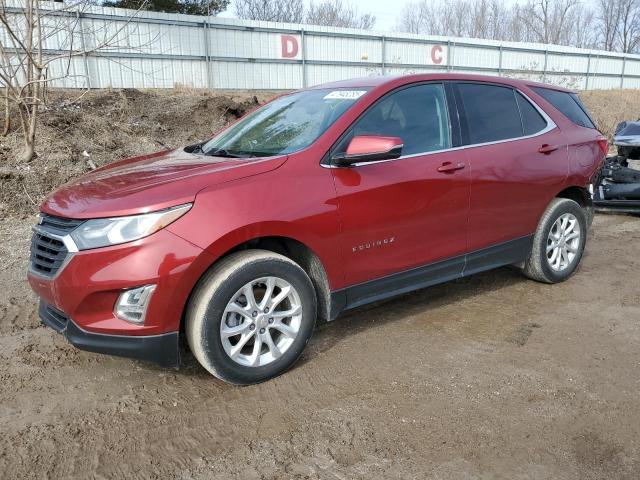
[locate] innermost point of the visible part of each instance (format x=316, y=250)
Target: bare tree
x=27, y=67
x=327, y=12
x=583, y=33
x=608, y=19
x=189, y=7
x=612, y=25
x=455, y=17
x=418, y=18
x=291, y=11
x=549, y=20
x=563, y=22
x=628, y=25
x=480, y=23
x=448, y=17
x=335, y=13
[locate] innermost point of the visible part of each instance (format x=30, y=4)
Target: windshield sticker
x=344, y=94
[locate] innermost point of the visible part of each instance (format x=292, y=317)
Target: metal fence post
x=383, y=39
x=304, y=59
x=207, y=57
x=85, y=61
x=586, y=83
x=500, y=62
x=546, y=63
x=450, y=55
x=624, y=63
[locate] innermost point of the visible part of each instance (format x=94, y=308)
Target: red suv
x=320, y=201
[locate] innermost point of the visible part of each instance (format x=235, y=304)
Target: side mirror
x=370, y=148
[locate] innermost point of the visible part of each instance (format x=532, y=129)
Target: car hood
x=148, y=183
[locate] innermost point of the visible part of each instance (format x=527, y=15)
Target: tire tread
x=207, y=285
x=533, y=267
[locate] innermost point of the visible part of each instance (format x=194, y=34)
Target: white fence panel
x=262, y=76
x=336, y=49
x=476, y=57
x=160, y=50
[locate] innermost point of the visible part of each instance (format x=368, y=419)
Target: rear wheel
x=558, y=243
x=251, y=316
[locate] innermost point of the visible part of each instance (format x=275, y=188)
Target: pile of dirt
x=80, y=132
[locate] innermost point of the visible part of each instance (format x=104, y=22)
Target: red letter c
x=436, y=54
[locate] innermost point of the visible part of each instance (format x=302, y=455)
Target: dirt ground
x=493, y=376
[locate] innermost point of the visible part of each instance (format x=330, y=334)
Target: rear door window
x=532, y=121
x=417, y=114
x=491, y=112
x=568, y=103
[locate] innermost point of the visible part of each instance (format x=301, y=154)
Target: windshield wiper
x=221, y=152
x=195, y=148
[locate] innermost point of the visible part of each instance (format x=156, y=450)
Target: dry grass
x=610, y=107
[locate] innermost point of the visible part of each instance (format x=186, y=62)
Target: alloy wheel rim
x=261, y=321
x=563, y=242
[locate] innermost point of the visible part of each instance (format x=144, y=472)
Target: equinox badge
x=373, y=244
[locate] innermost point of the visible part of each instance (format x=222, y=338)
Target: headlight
x=102, y=232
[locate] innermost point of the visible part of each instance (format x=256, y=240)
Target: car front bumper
x=163, y=349
x=83, y=294
x=89, y=285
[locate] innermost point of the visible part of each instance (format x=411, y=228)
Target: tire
x=539, y=266
x=211, y=305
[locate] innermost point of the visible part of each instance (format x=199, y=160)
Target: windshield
x=285, y=125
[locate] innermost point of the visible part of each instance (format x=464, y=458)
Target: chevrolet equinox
x=321, y=200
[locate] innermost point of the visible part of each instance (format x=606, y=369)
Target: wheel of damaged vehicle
x=250, y=316
x=558, y=243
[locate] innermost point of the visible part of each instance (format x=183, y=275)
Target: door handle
x=448, y=167
x=547, y=149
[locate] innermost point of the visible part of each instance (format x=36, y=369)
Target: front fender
x=288, y=202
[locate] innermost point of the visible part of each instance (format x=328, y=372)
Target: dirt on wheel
x=492, y=376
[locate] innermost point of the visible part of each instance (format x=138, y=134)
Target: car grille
x=59, y=225
x=48, y=251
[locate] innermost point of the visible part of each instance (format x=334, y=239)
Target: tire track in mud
x=229, y=417
x=18, y=314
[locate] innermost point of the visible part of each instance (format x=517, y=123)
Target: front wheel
x=558, y=243
x=251, y=316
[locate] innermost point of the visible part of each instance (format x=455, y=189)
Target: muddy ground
x=493, y=376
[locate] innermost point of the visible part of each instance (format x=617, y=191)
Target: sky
x=385, y=11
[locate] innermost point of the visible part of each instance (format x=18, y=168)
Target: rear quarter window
x=568, y=104
x=532, y=121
